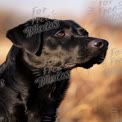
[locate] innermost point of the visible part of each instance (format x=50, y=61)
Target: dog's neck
x=45, y=75
x=42, y=76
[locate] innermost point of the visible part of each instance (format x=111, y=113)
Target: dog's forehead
x=71, y=24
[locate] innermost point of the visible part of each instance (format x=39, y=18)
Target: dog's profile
x=37, y=69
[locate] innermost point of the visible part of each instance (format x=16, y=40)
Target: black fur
x=35, y=75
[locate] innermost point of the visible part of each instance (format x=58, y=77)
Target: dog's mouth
x=95, y=60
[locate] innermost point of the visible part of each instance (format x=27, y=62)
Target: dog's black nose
x=99, y=43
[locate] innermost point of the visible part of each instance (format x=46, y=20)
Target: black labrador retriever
x=35, y=75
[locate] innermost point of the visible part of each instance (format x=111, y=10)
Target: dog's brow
x=67, y=26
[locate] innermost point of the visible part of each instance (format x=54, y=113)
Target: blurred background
x=95, y=95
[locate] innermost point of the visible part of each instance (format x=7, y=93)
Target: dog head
x=57, y=43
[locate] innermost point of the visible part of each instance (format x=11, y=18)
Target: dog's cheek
x=51, y=44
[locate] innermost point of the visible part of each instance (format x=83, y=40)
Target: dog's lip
x=95, y=60
x=68, y=65
x=100, y=59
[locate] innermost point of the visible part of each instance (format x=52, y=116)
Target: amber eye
x=60, y=34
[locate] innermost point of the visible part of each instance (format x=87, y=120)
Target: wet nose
x=99, y=43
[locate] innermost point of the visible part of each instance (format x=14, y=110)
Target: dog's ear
x=23, y=37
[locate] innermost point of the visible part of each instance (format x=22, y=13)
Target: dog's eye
x=60, y=34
